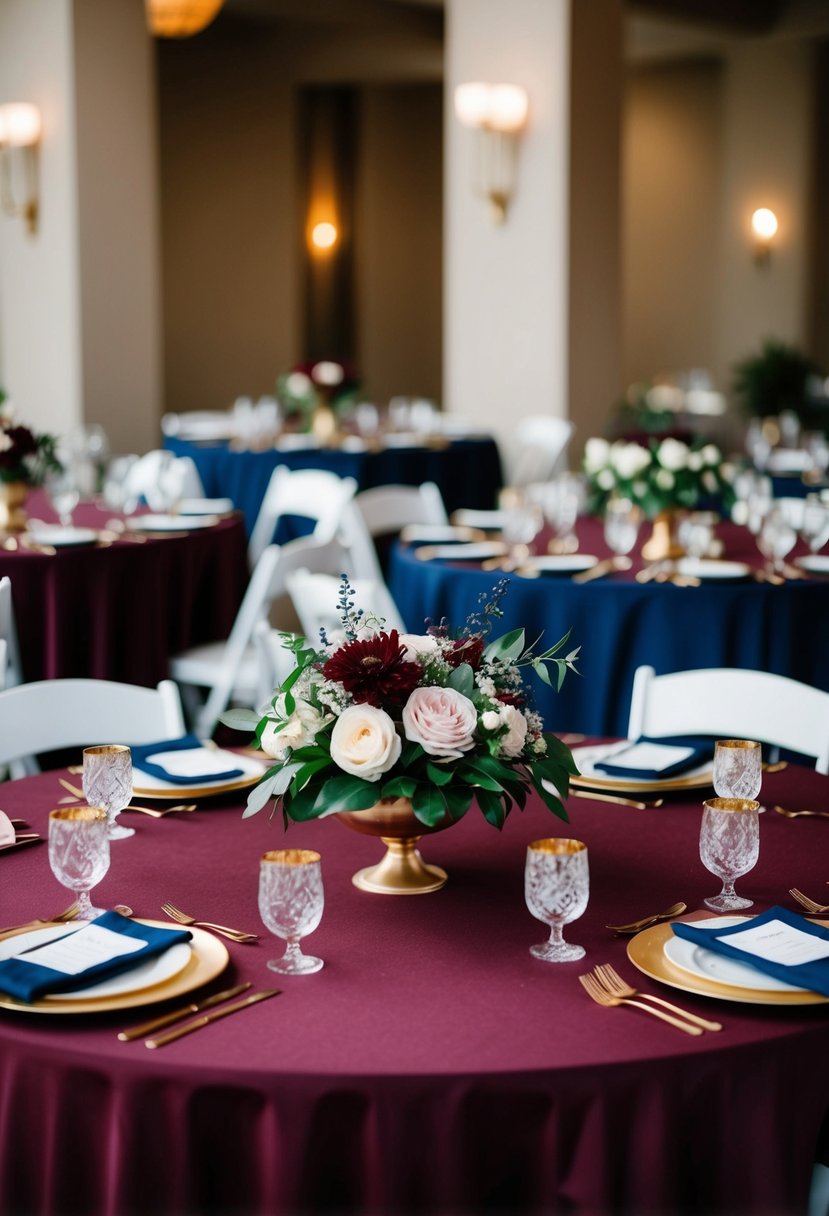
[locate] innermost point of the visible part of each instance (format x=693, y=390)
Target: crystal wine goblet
x=737, y=768
x=621, y=528
x=776, y=538
x=79, y=852
x=290, y=903
x=63, y=491
x=556, y=888
x=729, y=845
x=107, y=782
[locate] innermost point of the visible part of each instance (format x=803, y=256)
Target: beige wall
x=398, y=240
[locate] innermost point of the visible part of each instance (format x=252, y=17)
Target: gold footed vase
x=13, y=495
x=402, y=871
x=662, y=544
x=324, y=425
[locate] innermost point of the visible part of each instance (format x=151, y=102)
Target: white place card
x=655, y=757
x=778, y=942
x=194, y=761
x=77, y=952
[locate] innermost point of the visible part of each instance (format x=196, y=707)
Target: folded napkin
x=653, y=759
x=163, y=760
x=778, y=943
x=105, y=946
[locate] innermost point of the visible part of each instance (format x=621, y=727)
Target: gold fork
x=178, y=809
x=235, y=935
x=812, y=908
x=59, y=918
x=597, y=993
x=782, y=810
x=610, y=979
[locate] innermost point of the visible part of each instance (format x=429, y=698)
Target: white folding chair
x=163, y=479
x=10, y=670
x=314, y=494
x=229, y=670
x=383, y=511
x=47, y=715
x=314, y=597
x=541, y=443
x=729, y=702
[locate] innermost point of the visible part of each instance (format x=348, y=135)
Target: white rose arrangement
x=666, y=474
x=440, y=720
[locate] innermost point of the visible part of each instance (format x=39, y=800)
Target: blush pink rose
x=441, y=720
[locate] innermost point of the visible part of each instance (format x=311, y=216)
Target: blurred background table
x=622, y=624
x=117, y=612
x=433, y=1065
x=467, y=471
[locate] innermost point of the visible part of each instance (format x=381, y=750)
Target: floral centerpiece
x=25, y=459
x=432, y=721
x=315, y=390
x=664, y=475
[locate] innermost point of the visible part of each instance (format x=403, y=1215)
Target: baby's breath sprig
x=481, y=621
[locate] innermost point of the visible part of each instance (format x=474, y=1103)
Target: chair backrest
x=10, y=670
x=162, y=479
x=315, y=596
x=542, y=441
x=275, y=662
x=729, y=702
x=46, y=715
x=383, y=511
x=314, y=494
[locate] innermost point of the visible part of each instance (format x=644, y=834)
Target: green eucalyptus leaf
x=506, y=648
x=462, y=680
x=241, y=719
x=260, y=795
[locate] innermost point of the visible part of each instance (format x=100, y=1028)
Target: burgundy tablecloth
x=118, y=612
x=433, y=1065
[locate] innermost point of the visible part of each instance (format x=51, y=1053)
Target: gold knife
x=167, y=1019
x=73, y=789
x=639, y=806
x=180, y=1031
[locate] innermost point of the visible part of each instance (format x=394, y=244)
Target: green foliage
x=774, y=380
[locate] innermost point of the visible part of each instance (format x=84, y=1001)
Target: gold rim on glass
x=731, y=804
x=291, y=857
x=747, y=744
x=107, y=749
x=90, y=814
x=558, y=845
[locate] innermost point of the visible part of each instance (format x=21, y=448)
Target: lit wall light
x=324, y=236
x=764, y=228
x=20, y=129
x=497, y=113
x=179, y=18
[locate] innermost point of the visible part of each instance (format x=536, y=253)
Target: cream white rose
x=491, y=719
x=596, y=454
x=418, y=646
x=711, y=454
x=673, y=454
x=512, y=743
x=300, y=728
x=629, y=459
x=664, y=479
x=441, y=720
x=364, y=742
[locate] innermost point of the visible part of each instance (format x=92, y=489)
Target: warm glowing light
x=764, y=223
x=19, y=124
x=324, y=235
x=498, y=107
x=180, y=18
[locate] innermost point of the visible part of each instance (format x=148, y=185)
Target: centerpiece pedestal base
x=662, y=545
x=402, y=871
x=13, y=495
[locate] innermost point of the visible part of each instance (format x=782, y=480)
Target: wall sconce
x=323, y=237
x=496, y=113
x=20, y=129
x=764, y=227
x=179, y=18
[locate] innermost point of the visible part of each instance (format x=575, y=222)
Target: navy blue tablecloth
x=467, y=471
x=621, y=624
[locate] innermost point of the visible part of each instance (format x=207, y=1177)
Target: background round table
x=621, y=624
x=433, y=1065
x=467, y=471
x=118, y=612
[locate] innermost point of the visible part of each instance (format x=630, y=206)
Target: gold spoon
x=635, y=926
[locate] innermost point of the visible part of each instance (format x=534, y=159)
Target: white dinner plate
x=154, y=971
x=59, y=536
x=492, y=521
x=815, y=563
x=709, y=568
x=434, y=534
x=477, y=552
x=698, y=961
x=558, y=563
x=170, y=523
x=147, y=786
x=205, y=506
x=699, y=777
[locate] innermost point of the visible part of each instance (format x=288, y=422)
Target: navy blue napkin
x=28, y=981
x=142, y=759
x=701, y=750
x=813, y=975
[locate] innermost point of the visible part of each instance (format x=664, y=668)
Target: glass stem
x=556, y=934
x=728, y=887
x=84, y=906
x=292, y=951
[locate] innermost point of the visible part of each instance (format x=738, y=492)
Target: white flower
x=364, y=742
x=673, y=454
x=298, y=384
x=5, y=441
x=605, y=480
x=695, y=461
x=418, y=646
x=709, y=481
x=664, y=479
x=300, y=728
x=491, y=720
x=512, y=743
x=711, y=454
x=629, y=459
x=596, y=454
x=441, y=720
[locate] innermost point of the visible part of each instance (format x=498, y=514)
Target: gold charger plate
x=209, y=959
x=630, y=785
x=178, y=792
x=646, y=952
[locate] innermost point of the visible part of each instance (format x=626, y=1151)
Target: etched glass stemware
x=621, y=525
x=729, y=845
x=290, y=903
x=79, y=852
x=556, y=888
x=737, y=768
x=107, y=782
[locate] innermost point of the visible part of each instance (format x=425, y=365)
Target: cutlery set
x=607, y=988
x=617, y=799
x=636, y=926
x=178, y=1015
